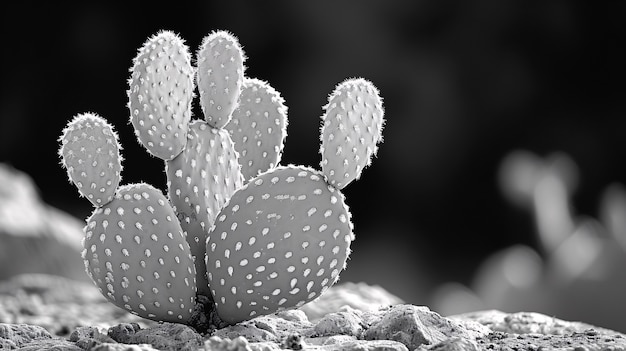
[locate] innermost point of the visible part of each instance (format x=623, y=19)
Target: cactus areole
x=238, y=236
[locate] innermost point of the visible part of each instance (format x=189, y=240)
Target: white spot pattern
x=295, y=240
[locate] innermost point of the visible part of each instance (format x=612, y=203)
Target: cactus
x=258, y=127
x=352, y=128
x=220, y=76
x=136, y=253
x=134, y=248
x=160, y=94
x=285, y=236
x=200, y=181
x=280, y=242
x=218, y=250
x=162, y=84
x=90, y=153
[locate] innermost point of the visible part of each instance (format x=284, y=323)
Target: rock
x=452, y=344
x=58, y=304
x=89, y=337
x=240, y=343
x=335, y=339
x=50, y=345
x=526, y=323
x=249, y=331
x=17, y=335
x=346, y=323
x=123, y=332
x=215, y=343
x=165, y=336
x=417, y=325
x=122, y=347
x=590, y=340
x=273, y=328
x=35, y=237
x=366, y=345
x=359, y=296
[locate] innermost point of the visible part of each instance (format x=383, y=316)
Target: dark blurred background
x=464, y=83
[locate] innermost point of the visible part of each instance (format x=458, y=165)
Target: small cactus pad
x=280, y=242
x=90, y=152
x=136, y=254
x=220, y=76
x=258, y=127
x=351, y=130
x=200, y=182
x=160, y=94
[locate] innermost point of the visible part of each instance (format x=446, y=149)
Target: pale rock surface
x=35, y=237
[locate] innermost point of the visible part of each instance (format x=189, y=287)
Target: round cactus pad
x=281, y=242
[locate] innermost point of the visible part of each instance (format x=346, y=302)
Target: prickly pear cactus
x=258, y=127
x=200, y=182
x=136, y=253
x=231, y=241
x=90, y=153
x=160, y=93
x=134, y=247
x=281, y=242
x=351, y=130
x=202, y=166
x=220, y=76
x=285, y=236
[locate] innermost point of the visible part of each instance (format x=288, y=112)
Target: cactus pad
x=200, y=182
x=160, y=93
x=90, y=152
x=136, y=254
x=258, y=127
x=280, y=242
x=351, y=130
x=220, y=76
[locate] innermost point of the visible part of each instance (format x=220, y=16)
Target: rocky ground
x=44, y=312
x=62, y=311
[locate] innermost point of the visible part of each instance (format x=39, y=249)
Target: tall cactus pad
x=160, y=94
x=200, y=182
x=351, y=130
x=90, y=152
x=220, y=76
x=136, y=254
x=280, y=243
x=258, y=127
